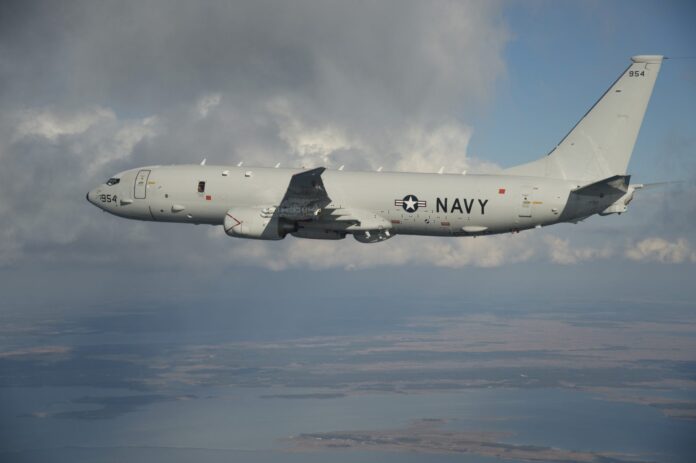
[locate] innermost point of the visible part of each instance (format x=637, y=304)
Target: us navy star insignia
x=410, y=203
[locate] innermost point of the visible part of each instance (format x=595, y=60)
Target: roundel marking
x=410, y=203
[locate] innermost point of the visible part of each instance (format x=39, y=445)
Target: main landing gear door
x=141, y=184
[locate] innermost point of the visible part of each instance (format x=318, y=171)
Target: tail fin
x=600, y=145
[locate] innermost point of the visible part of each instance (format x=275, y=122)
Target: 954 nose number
x=107, y=198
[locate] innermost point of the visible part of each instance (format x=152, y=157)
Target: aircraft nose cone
x=90, y=197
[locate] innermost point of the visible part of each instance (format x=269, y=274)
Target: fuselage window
x=113, y=181
x=201, y=187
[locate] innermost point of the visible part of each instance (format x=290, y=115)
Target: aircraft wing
x=355, y=220
x=306, y=199
x=305, y=196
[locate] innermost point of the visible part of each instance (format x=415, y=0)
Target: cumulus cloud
x=491, y=251
x=49, y=124
x=561, y=251
x=49, y=161
x=206, y=104
x=401, y=250
x=657, y=249
x=109, y=86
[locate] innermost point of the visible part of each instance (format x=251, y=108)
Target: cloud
x=657, y=249
x=49, y=161
x=48, y=124
x=206, y=104
x=107, y=87
x=424, y=149
x=490, y=251
x=388, y=84
x=312, y=145
x=561, y=251
x=36, y=351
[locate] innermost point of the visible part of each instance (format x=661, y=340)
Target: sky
x=89, y=89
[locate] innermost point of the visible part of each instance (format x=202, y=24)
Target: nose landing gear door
x=141, y=184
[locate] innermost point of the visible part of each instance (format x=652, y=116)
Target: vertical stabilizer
x=600, y=145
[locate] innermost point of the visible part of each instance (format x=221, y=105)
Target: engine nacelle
x=253, y=223
x=372, y=236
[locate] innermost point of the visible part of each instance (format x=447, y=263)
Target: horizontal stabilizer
x=615, y=185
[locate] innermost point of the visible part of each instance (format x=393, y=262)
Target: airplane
x=584, y=175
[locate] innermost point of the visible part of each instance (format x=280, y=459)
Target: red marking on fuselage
x=235, y=219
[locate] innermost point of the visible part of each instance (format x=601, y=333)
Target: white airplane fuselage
x=585, y=174
x=444, y=204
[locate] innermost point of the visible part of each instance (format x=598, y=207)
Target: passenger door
x=140, y=188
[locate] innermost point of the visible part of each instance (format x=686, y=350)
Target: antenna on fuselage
x=239, y=164
x=203, y=161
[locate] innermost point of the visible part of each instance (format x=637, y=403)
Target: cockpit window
x=113, y=181
x=201, y=187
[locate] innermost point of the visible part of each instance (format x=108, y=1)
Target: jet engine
x=372, y=236
x=253, y=223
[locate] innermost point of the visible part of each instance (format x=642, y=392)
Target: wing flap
x=355, y=220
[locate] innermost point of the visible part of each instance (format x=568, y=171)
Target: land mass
x=427, y=436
